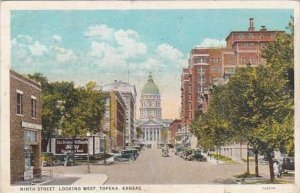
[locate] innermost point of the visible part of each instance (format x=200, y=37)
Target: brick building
x=175, y=127
x=128, y=93
x=25, y=127
x=213, y=66
x=115, y=121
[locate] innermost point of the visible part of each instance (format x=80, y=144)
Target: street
x=152, y=168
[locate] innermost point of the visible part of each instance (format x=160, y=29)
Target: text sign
x=63, y=146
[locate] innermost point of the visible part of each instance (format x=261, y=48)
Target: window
x=30, y=136
x=33, y=107
x=219, y=60
x=243, y=60
x=252, y=60
x=201, y=70
x=215, y=69
x=201, y=60
x=202, y=79
x=19, y=102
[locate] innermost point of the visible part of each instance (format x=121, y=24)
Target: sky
x=107, y=45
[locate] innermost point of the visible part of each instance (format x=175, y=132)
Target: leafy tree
x=255, y=106
x=139, y=132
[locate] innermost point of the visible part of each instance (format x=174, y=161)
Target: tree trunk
x=271, y=166
x=256, y=164
x=248, y=170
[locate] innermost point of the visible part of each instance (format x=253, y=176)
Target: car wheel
x=132, y=158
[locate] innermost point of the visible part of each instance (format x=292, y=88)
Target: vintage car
x=130, y=154
x=165, y=152
x=288, y=163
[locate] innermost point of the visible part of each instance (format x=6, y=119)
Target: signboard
x=63, y=146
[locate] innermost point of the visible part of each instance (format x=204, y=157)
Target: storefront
x=31, y=152
x=25, y=128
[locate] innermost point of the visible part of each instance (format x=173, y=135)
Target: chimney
x=251, y=27
x=263, y=28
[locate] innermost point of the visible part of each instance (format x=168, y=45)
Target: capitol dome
x=150, y=87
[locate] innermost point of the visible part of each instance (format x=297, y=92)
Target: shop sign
x=63, y=146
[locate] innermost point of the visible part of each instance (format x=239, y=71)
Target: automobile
x=165, y=151
x=130, y=154
x=197, y=156
x=178, y=150
x=186, y=152
x=288, y=163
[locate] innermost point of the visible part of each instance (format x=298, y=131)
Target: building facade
x=175, y=127
x=150, y=108
x=213, y=66
x=151, y=122
x=129, y=94
x=115, y=122
x=25, y=127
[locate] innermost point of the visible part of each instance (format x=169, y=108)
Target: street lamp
x=88, y=153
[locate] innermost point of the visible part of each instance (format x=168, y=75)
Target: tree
x=255, y=106
x=139, y=132
x=85, y=115
x=164, y=135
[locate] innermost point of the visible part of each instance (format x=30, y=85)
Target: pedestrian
x=277, y=169
x=209, y=155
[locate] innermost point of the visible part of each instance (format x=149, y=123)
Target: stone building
x=25, y=127
x=129, y=94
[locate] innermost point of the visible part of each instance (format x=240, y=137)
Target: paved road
x=152, y=168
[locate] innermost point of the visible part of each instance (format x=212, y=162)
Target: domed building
x=151, y=122
x=150, y=101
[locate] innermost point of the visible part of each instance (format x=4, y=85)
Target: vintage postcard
x=136, y=96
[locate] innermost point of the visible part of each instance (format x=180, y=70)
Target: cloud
x=168, y=52
x=129, y=43
x=209, y=42
x=63, y=55
x=37, y=49
x=57, y=38
x=102, y=32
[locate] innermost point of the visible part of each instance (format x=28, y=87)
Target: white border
x=6, y=7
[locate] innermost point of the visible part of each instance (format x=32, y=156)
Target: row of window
x=202, y=60
x=20, y=104
x=150, y=97
x=251, y=36
x=151, y=104
x=250, y=60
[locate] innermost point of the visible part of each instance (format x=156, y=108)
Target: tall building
x=213, y=66
x=151, y=122
x=25, y=127
x=129, y=94
x=115, y=121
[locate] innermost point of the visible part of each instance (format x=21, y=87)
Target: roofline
x=37, y=84
x=253, y=32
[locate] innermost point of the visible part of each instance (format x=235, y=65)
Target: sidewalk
x=77, y=179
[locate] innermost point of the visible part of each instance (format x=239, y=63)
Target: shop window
x=19, y=102
x=33, y=107
x=30, y=136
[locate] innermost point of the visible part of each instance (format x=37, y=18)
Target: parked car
x=130, y=154
x=288, y=163
x=196, y=155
